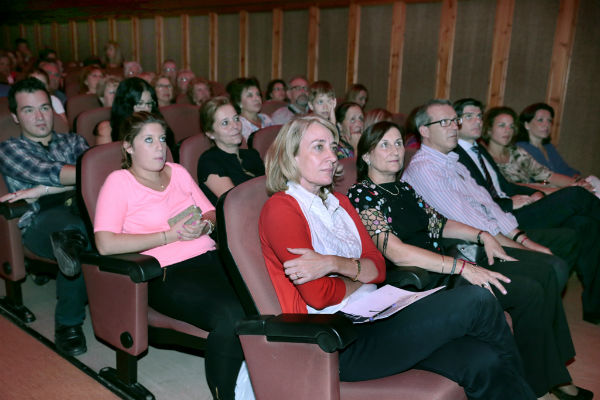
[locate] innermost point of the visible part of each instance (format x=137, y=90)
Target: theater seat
x=270, y=106
x=78, y=104
x=118, y=290
x=88, y=120
x=190, y=151
x=295, y=356
x=261, y=139
x=183, y=119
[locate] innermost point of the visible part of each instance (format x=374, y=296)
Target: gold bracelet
x=358, y=271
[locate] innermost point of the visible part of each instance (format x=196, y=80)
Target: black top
x=215, y=161
x=395, y=207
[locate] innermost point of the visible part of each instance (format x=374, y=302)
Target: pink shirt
x=127, y=206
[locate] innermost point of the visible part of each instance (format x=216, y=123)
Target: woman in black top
x=225, y=165
x=408, y=232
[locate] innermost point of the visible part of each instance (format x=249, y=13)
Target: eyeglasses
x=161, y=86
x=303, y=88
x=470, y=116
x=446, y=122
x=149, y=104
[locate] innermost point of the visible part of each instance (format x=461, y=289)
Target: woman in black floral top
x=408, y=232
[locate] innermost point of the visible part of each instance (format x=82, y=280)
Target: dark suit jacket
x=507, y=187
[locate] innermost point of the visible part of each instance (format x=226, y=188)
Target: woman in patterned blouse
x=515, y=163
x=409, y=232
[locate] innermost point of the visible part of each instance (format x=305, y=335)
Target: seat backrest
x=343, y=183
x=182, y=99
x=238, y=212
x=183, y=119
x=270, y=106
x=96, y=164
x=217, y=89
x=87, y=121
x=78, y=104
x=262, y=139
x=190, y=151
x=399, y=119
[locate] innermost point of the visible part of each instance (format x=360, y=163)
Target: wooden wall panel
x=213, y=46
x=420, y=44
x=13, y=34
x=73, y=41
x=260, y=47
x=396, y=56
x=229, y=46
x=46, y=32
x=529, y=60
x=503, y=23
x=332, y=48
x=445, y=49
x=295, y=42
x=173, y=41
x=243, y=44
x=101, y=35
x=185, y=41
x=352, y=45
x=579, y=142
x=314, y=17
x=83, y=40
x=30, y=36
x=37, y=32
x=147, y=44
x=123, y=26
x=472, y=49
x=93, y=37
x=374, y=52
x=199, y=44
x=64, y=43
x=159, y=42
x=277, y=44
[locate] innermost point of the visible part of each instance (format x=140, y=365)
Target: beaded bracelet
x=358, y=270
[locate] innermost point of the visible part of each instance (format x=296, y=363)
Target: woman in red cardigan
x=323, y=259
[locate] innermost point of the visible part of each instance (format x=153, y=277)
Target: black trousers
x=577, y=209
x=540, y=326
x=459, y=333
x=197, y=291
x=70, y=292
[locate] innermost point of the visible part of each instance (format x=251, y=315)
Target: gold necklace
x=393, y=194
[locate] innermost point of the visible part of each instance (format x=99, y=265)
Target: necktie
x=488, y=177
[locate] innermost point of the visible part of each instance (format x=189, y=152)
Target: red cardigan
x=282, y=225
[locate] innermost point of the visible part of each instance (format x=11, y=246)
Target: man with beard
x=298, y=94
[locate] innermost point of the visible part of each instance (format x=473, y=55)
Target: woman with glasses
x=224, y=165
x=409, y=232
x=165, y=93
x=133, y=95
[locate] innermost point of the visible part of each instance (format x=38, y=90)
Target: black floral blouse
x=397, y=208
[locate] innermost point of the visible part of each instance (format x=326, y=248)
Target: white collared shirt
x=332, y=231
x=468, y=147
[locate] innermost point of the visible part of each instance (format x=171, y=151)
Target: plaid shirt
x=26, y=164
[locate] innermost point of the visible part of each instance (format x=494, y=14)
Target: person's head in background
x=148, y=76
x=169, y=69
x=321, y=100
x=199, y=91
x=184, y=77
x=245, y=96
x=358, y=94
x=90, y=77
x=133, y=95
x=54, y=74
x=112, y=57
x=297, y=92
x=131, y=69
x=276, y=90
x=165, y=92
x=107, y=89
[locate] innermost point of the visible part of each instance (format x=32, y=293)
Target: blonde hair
x=280, y=162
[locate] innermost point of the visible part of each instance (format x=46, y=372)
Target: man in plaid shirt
x=37, y=167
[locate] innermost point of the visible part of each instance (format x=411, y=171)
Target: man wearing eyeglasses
x=298, y=94
x=436, y=175
x=537, y=213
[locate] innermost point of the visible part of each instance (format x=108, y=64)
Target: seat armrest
x=13, y=210
x=139, y=267
x=406, y=277
x=331, y=332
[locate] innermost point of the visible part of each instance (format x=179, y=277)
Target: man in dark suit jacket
x=572, y=207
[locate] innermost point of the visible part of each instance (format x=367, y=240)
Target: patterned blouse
x=345, y=149
x=395, y=207
x=523, y=168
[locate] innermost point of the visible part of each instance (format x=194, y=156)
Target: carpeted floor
x=171, y=374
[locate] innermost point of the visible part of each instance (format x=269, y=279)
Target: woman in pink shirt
x=148, y=207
